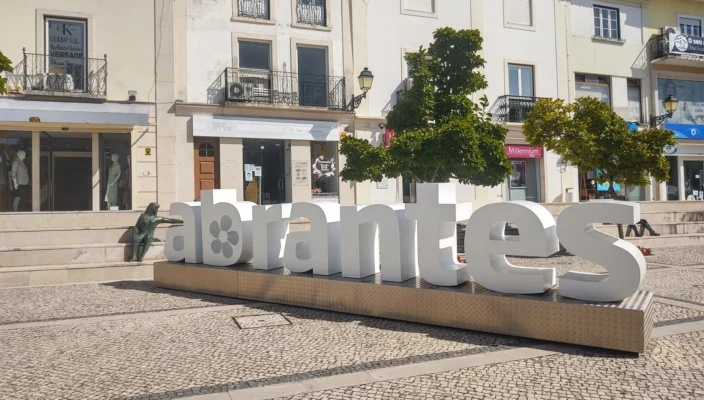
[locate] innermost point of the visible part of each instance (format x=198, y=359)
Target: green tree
x=5, y=65
x=589, y=134
x=440, y=133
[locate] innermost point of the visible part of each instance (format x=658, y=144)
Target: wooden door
x=206, y=158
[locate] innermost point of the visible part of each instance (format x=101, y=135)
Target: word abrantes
x=403, y=241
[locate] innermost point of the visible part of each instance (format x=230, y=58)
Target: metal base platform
x=622, y=326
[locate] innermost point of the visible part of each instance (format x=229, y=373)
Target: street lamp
x=366, y=78
x=670, y=105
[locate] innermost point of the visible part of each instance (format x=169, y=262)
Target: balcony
x=257, y=9
x=512, y=109
x=675, y=49
x=44, y=75
x=245, y=85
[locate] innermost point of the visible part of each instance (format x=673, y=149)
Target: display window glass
x=324, y=169
x=15, y=171
x=115, y=172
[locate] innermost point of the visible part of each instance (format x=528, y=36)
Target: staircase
x=69, y=247
x=678, y=223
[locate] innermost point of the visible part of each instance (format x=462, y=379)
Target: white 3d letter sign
x=404, y=241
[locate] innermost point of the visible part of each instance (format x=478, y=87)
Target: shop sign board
x=685, y=44
x=406, y=241
x=263, y=128
x=513, y=151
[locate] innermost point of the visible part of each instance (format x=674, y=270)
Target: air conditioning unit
x=250, y=89
x=408, y=83
x=667, y=30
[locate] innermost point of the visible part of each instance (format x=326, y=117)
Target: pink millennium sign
x=524, y=152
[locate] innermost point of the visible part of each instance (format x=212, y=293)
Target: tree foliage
x=440, y=133
x=589, y=134
x=5, y=65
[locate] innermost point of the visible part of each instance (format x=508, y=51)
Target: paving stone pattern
x=691, y=255
x=206, y=352
x=673, y=368
x=74, y=301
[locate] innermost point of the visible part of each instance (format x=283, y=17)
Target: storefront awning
x=15, y=110
x=262, y=128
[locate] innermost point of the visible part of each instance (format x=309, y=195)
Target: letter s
x=623, y=261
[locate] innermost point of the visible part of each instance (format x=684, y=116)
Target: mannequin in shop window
x=20, y=181
x=114, y=175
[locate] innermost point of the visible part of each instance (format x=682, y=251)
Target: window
x=520, y=80
x=206, y=150
x=312, y=76
x=634, y=101
x=323, y=162
x=606, y=23
x=593, y=86
x=518, y=12
x=67, y=52
x=258, y=9
x=691, y=26
x=311, y=12
x=255, y=55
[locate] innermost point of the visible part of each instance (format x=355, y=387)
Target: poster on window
x=66, y=48
x=687, y=122
x=518, y=177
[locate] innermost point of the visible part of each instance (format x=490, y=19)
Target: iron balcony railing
x=42, y=74
x=275, y=87
x=513, y=109
x=258, y=9
x=311, y=12
x=659, y=47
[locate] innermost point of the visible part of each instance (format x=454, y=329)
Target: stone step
x=59, y=274
x=667, y=240
x=664, y=228
x=15, y=238
x=74, y=254
x=72, y=219
x=645, y=206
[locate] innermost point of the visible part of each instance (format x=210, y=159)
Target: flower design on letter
x=224, y=239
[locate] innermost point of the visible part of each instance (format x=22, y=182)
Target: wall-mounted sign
x=147, y=151
x=257, y=170
x=684, y=44
x=260, y=128
x=523, y=151
x=301, y=173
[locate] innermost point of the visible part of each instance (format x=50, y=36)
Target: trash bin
x=569, y=195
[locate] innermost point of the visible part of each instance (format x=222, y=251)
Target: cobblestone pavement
x=74, y=301
x=204, y=350
x=673, y=368
x=691, y=255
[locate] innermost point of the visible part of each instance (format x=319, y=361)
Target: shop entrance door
x=694, y=180
x=206, y=169
x=270, y=156
x=66, y=173
x=524, y=182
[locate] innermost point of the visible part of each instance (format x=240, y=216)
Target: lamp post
x=670, y=105
x=366, y=78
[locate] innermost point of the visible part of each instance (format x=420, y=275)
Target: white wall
x=211, y=27
x=630, y=18
x=504, y=45
x=390, y=32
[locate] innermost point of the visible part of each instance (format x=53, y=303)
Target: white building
x=262, y=98
x=521, y=56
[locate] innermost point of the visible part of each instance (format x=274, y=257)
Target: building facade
x=78, y=124
x=262, y=102
x=676, y=55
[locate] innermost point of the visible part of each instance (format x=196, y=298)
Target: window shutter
x=518, y=12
